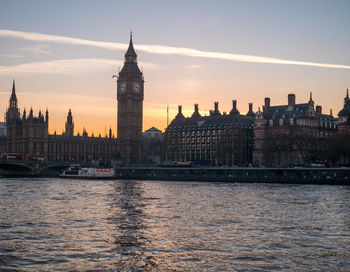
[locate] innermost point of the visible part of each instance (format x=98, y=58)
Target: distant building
x=28, y=134
x=344, y=115
x=292, y=134
x=217, y=139
x=153, y=149
x=3, y=130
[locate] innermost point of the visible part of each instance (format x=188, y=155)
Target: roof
x=131, y=51
x=286, y=113
x=153, y=129
x=131, y=67
x=213, y=122
x=346, y=109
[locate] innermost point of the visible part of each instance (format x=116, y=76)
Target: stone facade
x=217, y=139
x=28, y=135
x=130, y=89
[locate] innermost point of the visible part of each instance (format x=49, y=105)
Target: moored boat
x=77, y=172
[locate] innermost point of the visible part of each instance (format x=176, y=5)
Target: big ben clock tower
x=130, y=103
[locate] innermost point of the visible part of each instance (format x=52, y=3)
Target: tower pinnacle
x=13, y=98
x=130, y=55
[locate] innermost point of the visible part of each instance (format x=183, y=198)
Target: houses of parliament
x=284, y=135
x=28, y=134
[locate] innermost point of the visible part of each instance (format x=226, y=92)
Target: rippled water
x=70, y=225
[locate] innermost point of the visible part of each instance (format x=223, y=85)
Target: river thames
x=116, y=225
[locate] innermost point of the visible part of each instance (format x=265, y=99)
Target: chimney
x=267, y=103
x=234, y=104
x=196, y=111
x=319, y=109
x=216, y=109
x=179, y=114
x=234, y=108
x=250, y=112
x=216, y=106
x=291, y=99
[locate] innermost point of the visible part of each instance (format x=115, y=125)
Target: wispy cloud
x=160, y=49
x=11, y=56
x=66, y=66
x=38, y=49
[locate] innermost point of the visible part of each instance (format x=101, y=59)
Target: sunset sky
x=63, y=54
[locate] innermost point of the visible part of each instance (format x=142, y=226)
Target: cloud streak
x=160, y=49
x=66, y=66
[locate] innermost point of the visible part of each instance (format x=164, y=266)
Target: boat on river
x=76, y=172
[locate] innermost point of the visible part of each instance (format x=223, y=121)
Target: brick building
x=292, y=134
x=217, y=139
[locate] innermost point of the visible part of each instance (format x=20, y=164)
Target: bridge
x=28, y=168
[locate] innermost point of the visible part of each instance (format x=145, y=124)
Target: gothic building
x=292, y=134
x=25, y=134
x=28, y=135
x=217, y=139
x=130, y=103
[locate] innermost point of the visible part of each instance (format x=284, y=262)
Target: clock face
x=122, y=87
x=136, y=87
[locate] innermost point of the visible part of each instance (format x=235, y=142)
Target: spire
x=346, y=99
x=30, y=113
x=13, y=98
x=311, y=101
x=130, y=55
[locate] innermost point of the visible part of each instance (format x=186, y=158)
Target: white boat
x=76, y=172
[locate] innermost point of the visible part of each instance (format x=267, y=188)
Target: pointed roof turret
x=130, y=55
x=346, y=109
x=130, y=63
x=13, y=98
x=311, y=101
x=346, y=99
x=30, y=113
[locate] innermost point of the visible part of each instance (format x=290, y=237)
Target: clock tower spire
x=130, y=106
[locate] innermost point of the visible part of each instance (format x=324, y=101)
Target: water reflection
x=70, y=225
x=130, y=235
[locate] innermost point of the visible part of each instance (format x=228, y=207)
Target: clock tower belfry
x=130, y=104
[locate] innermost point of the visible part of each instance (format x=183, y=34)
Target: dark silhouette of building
x=26, y=134
x=29, y=136
x=344, y=115
x=153, y=147
x=130, y=90
x=217, y=139
x=292, y=134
